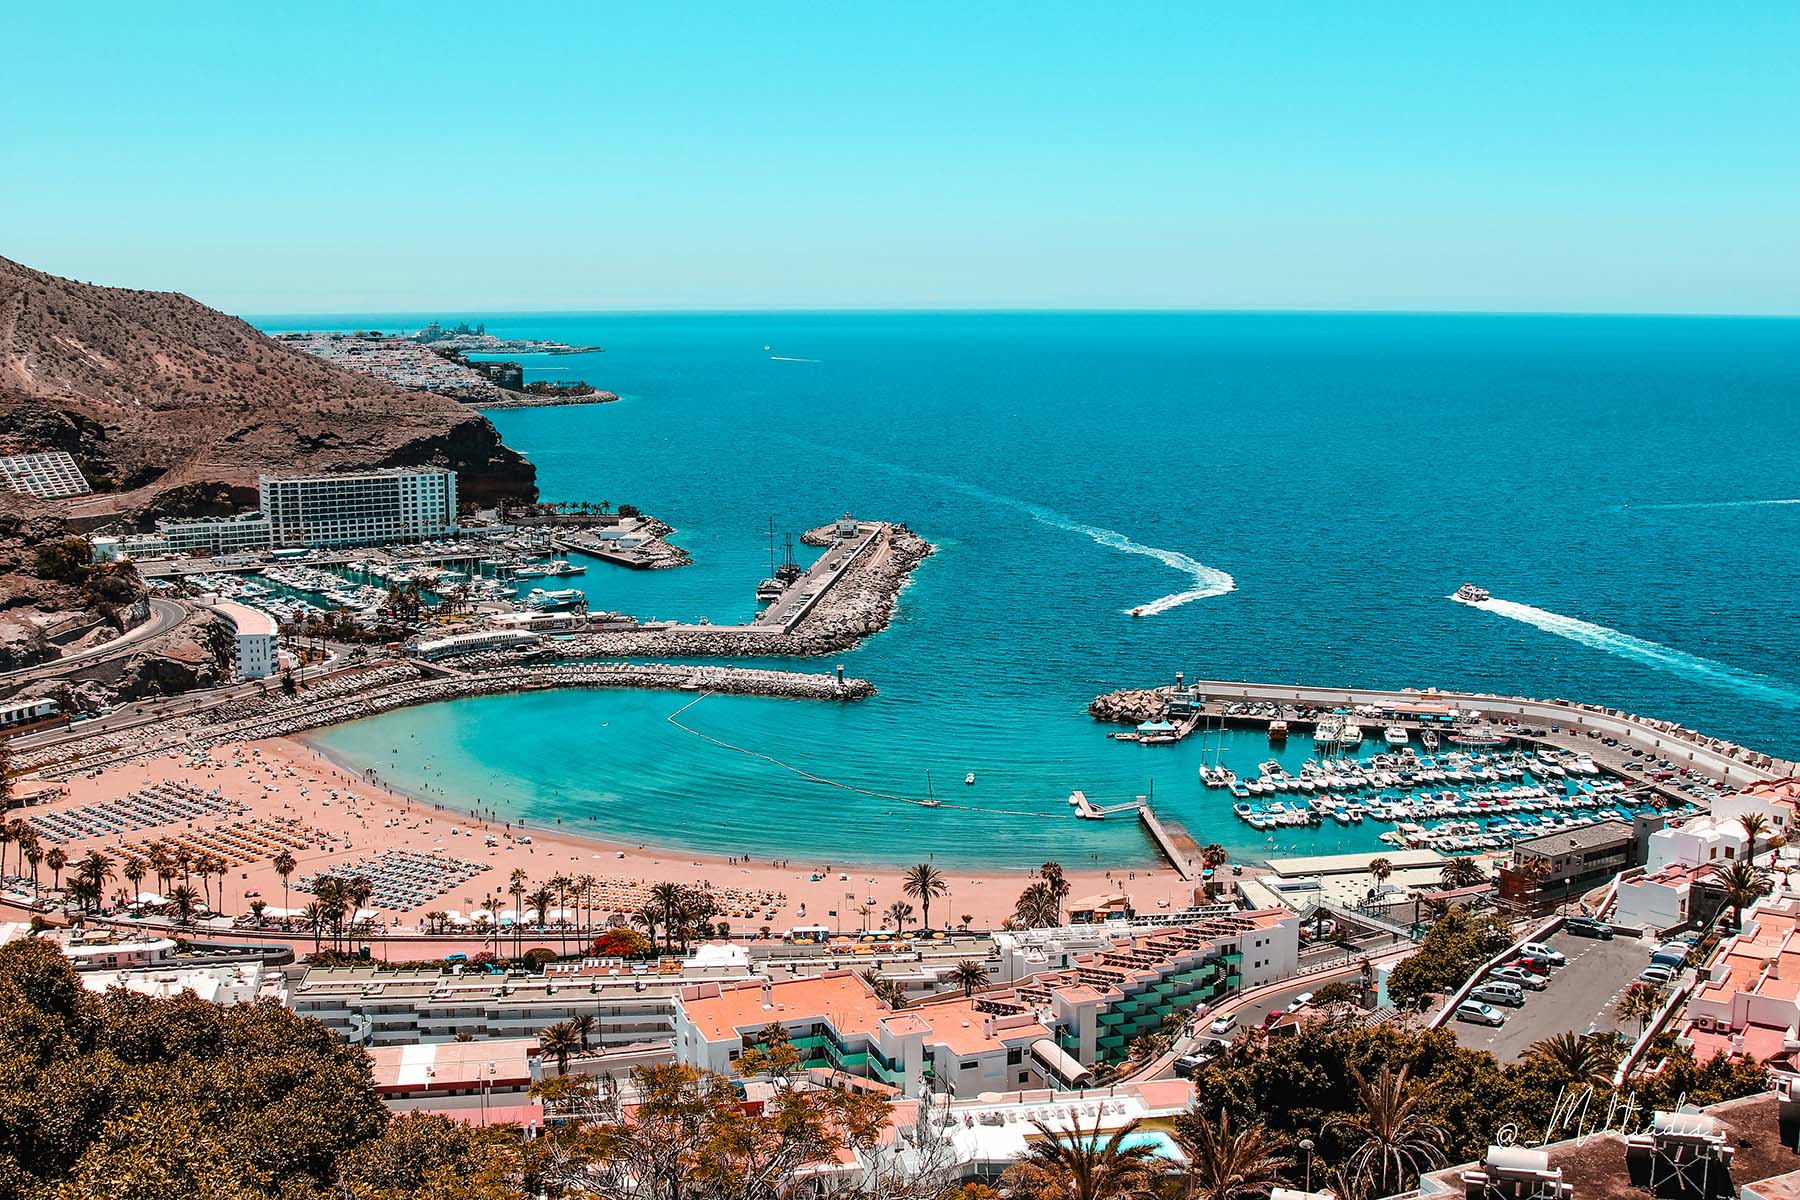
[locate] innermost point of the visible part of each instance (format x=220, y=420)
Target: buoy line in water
x=673, y=719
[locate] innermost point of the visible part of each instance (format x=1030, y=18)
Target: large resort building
x=1094, y=991
x=402, y=504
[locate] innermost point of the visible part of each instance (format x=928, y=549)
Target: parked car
x=1589, y=927
x=1477, y=1013
x=1500, y=991
x=1300, y=1002
x=1673, y=955
x=1540, y=950
x=1223, y=1025
x=1536, y=966
x=1523, y=978
x=1187, y=1064
x=1657, y=974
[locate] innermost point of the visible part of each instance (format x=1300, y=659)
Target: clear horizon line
x=1644, y=314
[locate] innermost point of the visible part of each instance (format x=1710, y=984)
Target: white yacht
x=1394, y=735
x=1468, y=593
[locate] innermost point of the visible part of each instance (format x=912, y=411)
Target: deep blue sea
x=1294, y=495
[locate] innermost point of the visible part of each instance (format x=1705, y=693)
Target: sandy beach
x=283, y=792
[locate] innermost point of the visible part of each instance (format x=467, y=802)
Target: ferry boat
x=1468, y=593
x=561, y=598
x=1395, y=735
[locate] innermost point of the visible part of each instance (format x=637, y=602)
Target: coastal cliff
x=173, y=407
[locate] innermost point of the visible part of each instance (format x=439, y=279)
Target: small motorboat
x=969, y=779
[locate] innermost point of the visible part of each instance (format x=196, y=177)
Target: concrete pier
x=1566, y=725
x=1177, y=845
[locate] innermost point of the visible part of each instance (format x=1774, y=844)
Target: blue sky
x=383, y=157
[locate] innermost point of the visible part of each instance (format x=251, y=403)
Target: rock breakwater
x=368, y=693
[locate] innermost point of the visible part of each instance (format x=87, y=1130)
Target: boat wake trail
x=1208, y=581
x=1717, y=504
x=1651, y=654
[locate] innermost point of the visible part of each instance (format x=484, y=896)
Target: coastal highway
x=165, y=615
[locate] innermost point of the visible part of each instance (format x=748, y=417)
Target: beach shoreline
x=350, y=820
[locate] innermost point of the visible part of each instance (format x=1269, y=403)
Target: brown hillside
x=174, y=407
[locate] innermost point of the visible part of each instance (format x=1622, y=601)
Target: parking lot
x=1580, y=998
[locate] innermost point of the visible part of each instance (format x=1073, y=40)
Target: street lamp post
x=1306, y=1149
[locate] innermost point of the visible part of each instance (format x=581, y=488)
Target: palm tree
x=314, y=916
x=516, y=889
x=559, y=1041
x=1460, y=873
x=1575, y=1059
x=583, y=1026
x=56, y=859
x=584, y=891
x=1396, y=1145
x=285, y=865
x=1754, y=824
x=7, y=833
x=969, y=975
x=1744, y=884
x=34, y=854
x=1227, y=1165
x=1036, y=906
x=134, y=870
x=1212, y=857
x=560, y=885
x=95, y=869
x=922, y=883
x=184, y=899
x=668, y=900
x=1081, y=1165
x=540, y=900
x=899, y=913
x=1058, y=884
x=885, y=989
x=1640, y=1003
x=1380, y=869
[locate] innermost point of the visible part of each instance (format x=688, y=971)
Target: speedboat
x=969, y=779
x=1468, y=593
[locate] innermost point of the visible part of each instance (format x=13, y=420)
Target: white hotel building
x=399, y=504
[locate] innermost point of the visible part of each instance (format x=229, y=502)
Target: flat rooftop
x=246, y=620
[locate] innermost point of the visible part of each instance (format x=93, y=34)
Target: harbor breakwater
x=383, y=689
x=1731, y=762
x=860, y=602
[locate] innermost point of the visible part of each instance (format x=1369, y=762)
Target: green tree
x=969, y=975
x=924, y=882
x=1228, y=1164
x=1082, y=1164
x=1394, y=1144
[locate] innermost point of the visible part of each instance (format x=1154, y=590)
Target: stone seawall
x=368, y=694
x=860, y=603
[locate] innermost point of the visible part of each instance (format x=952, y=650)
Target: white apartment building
x=215, y=535
x=257, y=636
x=46, y=476
x=632, y=1005
x=1079, y=1003
x=399, y=504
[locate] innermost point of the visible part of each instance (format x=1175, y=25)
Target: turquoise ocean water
x=1295, y=496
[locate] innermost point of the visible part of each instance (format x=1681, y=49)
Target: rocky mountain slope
x=174, y=407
